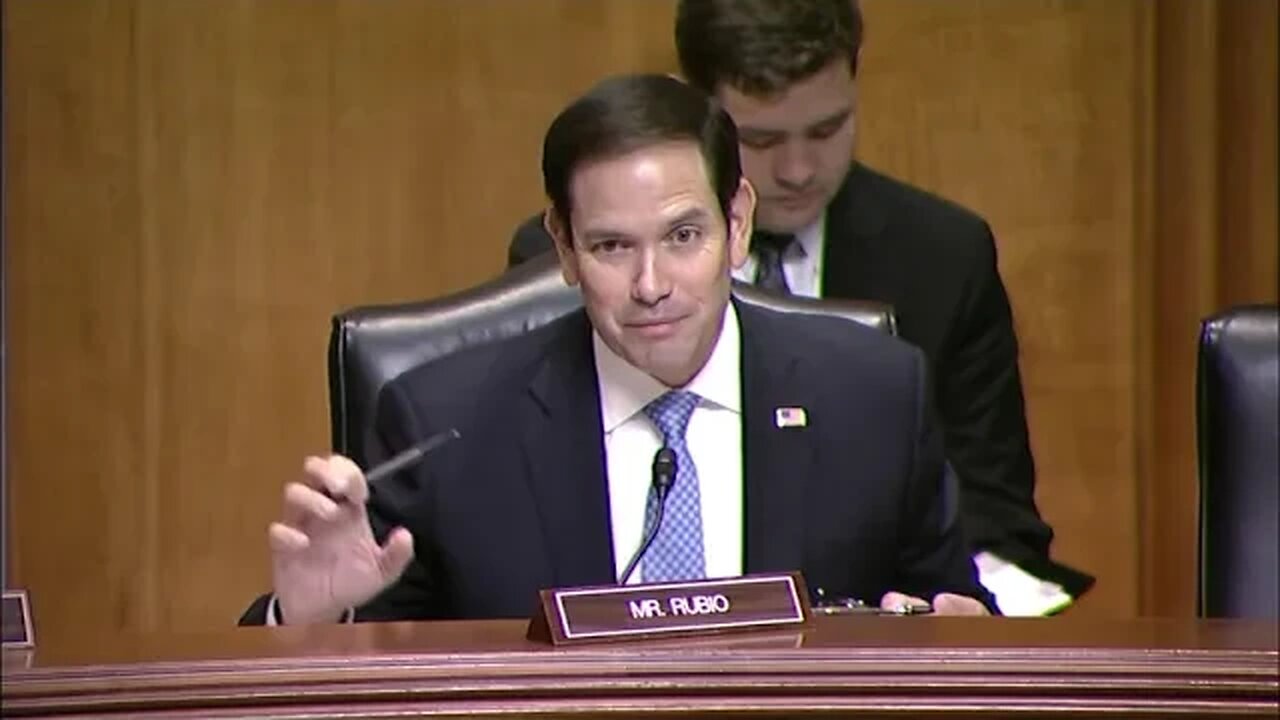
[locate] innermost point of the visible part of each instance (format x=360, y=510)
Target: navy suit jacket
x=854, y=499
x=935, y=263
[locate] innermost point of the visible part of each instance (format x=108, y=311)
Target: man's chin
x=786, y=222
x=665, y=370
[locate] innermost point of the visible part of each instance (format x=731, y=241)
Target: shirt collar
x=809, y=238
x=625, y=389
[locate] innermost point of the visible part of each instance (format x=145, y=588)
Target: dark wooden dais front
x=840, y=666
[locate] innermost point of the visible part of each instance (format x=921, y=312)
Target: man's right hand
x=324, y=558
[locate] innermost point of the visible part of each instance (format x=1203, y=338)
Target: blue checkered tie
x=676, y=553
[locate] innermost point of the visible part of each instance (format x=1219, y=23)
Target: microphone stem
x=649, y=536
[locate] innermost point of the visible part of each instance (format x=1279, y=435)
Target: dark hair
x=760, y=47
x=631, y=112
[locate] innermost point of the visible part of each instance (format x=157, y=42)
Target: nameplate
x=15, y=614
x=657, y=610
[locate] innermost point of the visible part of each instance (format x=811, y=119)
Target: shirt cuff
x=274, y=618
x=1018, y=592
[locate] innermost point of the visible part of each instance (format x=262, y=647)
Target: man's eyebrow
x=755, y=131
x=835, y=118
x=601, y=234
x=691, y=215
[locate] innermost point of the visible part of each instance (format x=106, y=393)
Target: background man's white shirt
x=801, y=263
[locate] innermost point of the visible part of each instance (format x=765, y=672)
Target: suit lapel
x=564, y=449
x=777, y=462
x=852, y=265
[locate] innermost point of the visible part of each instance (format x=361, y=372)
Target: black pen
x=404, y=459
x=410, y=456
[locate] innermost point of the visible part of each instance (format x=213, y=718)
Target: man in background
x=827, y=226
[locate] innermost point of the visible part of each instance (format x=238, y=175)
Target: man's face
x=796, y=145
x=653, y=254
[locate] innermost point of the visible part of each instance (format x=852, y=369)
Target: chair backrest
x=1238, y=434
x=371, y=345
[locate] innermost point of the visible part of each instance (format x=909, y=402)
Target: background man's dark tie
x=769, y=249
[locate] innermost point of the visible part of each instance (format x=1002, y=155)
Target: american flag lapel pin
x=785, y=417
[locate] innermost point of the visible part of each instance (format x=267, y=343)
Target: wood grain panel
x=1213, y=245
x=1183, y=262
x=851, y=666
x=1247, y=101
x=78, y=345
x=194, y=188
x=1024, y=112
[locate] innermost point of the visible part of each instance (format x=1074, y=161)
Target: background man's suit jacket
x=853, y=499
x=935, y=262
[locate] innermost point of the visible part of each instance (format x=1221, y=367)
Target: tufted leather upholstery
x=1238, y=397
x=370, y=345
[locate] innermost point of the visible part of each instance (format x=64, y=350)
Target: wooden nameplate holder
x=610, y=613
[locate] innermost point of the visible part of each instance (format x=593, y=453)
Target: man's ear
x=741, y=219
x=562, y=238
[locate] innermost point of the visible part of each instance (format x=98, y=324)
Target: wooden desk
x=885, y=667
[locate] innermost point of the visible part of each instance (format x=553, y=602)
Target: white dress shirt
x=714, y=439
x=801, y=262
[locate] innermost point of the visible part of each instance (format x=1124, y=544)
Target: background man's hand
x=943, y=603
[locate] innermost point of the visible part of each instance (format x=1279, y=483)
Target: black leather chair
x=1238, y=398
x=370, y=345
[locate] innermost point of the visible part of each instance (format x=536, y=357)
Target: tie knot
x=671, y=413
x=769, y=249
x=770, y=243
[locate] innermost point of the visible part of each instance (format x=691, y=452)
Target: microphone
x=664, y=476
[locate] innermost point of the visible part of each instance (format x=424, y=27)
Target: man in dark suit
x=801, y=442
x=785, y=71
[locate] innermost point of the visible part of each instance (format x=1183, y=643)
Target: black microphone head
x=664, y=468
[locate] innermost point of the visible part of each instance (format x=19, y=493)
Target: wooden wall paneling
x=1143, y=288
x=1213, y=245
x=1247, y=132
x=234, y=119
x=1023, y=111
x=1183, y=263
x=194, y=189
x=82, y=535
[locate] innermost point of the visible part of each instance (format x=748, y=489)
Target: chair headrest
x=371, y=345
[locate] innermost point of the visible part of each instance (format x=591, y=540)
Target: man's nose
x=794, y=165
x=651, y=283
